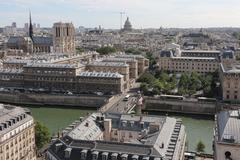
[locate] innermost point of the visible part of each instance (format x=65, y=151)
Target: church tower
x=64, y=38
x=30, y=32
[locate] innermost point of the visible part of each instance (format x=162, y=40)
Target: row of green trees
x=163, y=82
x=190, y=83
x=106, y=50
x=153, y=84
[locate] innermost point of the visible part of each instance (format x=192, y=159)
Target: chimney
x=141, y=118
x=67, y=153
x=58, y=146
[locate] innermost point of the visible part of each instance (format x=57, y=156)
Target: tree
x=106, y=50
x=144, y=88
x=147, y=78
x=133, y=51
x=79, y=50
x=200, y=147
x=42, y=135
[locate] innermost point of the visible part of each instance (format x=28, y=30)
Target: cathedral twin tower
x=63, y=38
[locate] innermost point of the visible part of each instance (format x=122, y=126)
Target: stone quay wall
x=181, y=106
x=50, y=99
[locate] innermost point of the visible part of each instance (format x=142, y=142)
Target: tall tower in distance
x=30, y=32
x=63, y=38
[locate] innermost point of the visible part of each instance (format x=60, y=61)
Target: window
x=227, y=96
x=228, y=155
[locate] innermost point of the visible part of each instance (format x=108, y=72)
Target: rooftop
x=228, y=126
x=201, y=51
x=100, y=74
x=101, y=63
x=9, y=71
x=156, y=134
x=12, y=117
x=113, y=59
x=129, y=56
x=50, y=65
x=232, y=69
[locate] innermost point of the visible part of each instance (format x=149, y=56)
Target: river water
x=57, y=118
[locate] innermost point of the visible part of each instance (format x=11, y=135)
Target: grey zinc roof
x=100, y=63
x=43, y=41
x=112, y=59
x=8, y=112
x=129, y=56
x=228, y=54
x=228, y=124
x=50, y=65
x=166, y=53
x=14, y=39
x=233, y=69
x=146, y=146
x=11, y=71
x=36, y=40
x=100, y=74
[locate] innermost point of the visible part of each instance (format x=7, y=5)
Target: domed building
x=127, y=25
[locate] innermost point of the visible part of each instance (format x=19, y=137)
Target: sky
x=142, y=13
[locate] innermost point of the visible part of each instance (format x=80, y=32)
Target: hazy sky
x=142, y=13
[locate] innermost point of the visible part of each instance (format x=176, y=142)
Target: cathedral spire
x=30, y=33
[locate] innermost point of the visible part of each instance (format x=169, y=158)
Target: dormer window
x=83, y=154
x=104, y=156
x=124, y=123
x=9, y=123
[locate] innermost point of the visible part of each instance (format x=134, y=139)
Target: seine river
x=57, y=118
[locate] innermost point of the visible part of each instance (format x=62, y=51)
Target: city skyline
x=142, y=13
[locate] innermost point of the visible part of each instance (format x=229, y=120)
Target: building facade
x=133, y=65
x=197, y=61
x=229, y=75
x=121, y=68
x=143, y=63
x=61, y=78
x=63, y=38
x=17, y=134
x=226, y=135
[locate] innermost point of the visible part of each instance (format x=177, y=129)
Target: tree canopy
x=106, y=50
x=200, y=147
x=42, y=135
x=188, y=84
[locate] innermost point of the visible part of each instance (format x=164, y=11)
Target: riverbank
x=83, y=100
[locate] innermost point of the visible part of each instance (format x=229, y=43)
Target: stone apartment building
x=113, y=67
x=17, y=136
x=229, y=73
x=143, y=63
x=61, y=78
x=226, y=144
x=121, y=137
x=133, y=65
x=189, y=61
